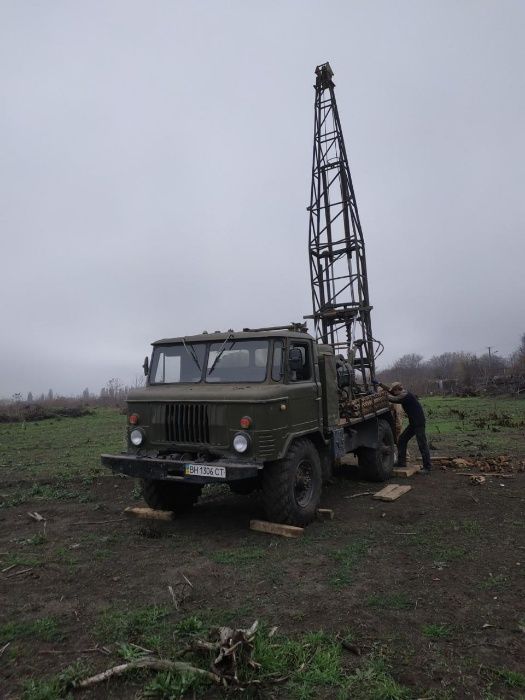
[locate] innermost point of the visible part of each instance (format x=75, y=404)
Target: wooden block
x=149, y=513
x=391, y=492
x=406, y=471
x=276, y=528
x=325, y=514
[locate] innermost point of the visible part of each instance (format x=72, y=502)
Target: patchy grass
x=435, y=631
x=44, y=628
x=189, y=625
x=172, y=686
x=15, y=559
x=512, y=679
x=312, y=662
x=449, y=553
x=147, y=626
x=349, y=558
x=56, y=686
x=478, y=423
x=43, y=492
x=310, y=665
x=239, y=556
x=373, y=681
x=65, y=448
x=288, y=583
x=494, y=582
x=437, y=541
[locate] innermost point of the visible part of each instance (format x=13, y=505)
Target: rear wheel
x=377, y=463
x=292, y=486
x=165, y=495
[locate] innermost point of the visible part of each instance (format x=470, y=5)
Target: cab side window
x=303, y=373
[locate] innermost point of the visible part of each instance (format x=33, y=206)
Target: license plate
x=205, y=470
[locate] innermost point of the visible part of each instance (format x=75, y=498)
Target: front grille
x=265, y=443
x=186, y=423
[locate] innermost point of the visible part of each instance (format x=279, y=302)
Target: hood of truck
x=182, y=417
x=217, y=393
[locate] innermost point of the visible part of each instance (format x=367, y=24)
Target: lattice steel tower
x=341, y=306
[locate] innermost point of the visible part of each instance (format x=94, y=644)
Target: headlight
x=136, y=437
x=241, y=442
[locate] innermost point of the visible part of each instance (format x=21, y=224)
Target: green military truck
x=273, y=408
x=260, y=409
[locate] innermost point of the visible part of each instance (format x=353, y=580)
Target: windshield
x=228, y=361
x=237, y=361
x=177, y=363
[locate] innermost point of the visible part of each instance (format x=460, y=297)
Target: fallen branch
x=187, y=580
x=36, y=516
x=18, y=573
x=363, y=493
x=154, y=665
x=173, y=597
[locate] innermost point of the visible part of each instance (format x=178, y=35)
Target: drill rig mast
x=341, y=306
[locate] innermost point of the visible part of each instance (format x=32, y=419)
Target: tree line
x=460, y=372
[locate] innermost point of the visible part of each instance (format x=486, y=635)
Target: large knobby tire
x=292, y=486
x=376, y=464
x=165, y=495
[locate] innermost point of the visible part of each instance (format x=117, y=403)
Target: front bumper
x=175, y=470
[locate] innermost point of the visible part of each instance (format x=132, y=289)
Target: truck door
x=303, y=390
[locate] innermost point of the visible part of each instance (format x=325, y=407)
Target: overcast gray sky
x=155, y=169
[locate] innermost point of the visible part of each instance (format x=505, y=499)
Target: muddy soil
x=435, y=580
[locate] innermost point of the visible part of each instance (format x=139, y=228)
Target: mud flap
x=338, y=443
x=363, y=435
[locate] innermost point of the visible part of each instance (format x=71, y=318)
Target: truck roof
x=234, y=335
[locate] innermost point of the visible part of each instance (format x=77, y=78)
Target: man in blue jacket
x=416, y=424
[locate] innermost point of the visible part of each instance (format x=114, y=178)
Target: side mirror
x=295, y=359
x=145, y=366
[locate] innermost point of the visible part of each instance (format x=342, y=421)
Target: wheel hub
x=303, y=486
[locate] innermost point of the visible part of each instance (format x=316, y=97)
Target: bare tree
x=517, y=359
x=408, y=362
x=139, y=381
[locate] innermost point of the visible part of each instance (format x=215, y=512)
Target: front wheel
x=292, y=486
x=165, y=495
x=377, y=463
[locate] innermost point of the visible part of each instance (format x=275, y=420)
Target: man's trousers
x=408, y=434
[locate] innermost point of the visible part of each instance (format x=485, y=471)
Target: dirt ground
x=433, y=583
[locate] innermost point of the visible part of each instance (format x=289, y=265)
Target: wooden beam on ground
x=406, y=471
x=149, y=513
x=276, y=528
x=325, y=514
x=391, y=492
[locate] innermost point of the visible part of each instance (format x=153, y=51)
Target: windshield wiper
x=223, y=348
x=192, y=354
